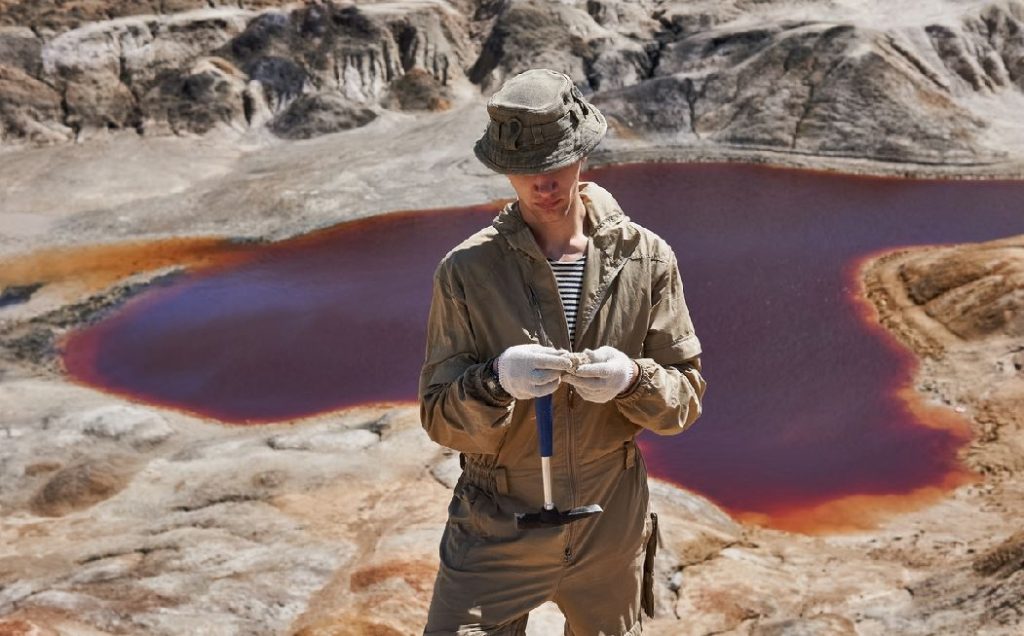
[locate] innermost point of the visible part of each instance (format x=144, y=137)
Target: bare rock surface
x=186, y=70
x=243, y=528
x=931, y=84
x=118, y=518
x=959, y=308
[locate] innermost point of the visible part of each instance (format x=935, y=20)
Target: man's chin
x=558, y=211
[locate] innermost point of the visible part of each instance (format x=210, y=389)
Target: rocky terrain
x=137, y=138
x=929, y=83
x=120, y=518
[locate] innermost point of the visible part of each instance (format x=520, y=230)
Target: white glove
x=606, y=373
x=529, y=371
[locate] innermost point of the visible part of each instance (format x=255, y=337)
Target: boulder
x=29, y=109
x=82, y=485
x=315, y=115
x=138, y=428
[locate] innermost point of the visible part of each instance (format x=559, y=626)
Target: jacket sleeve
x=456, y=410
x=667, y=396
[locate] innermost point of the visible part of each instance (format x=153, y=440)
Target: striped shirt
x=569, y=276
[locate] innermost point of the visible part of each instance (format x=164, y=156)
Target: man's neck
x=567, y=238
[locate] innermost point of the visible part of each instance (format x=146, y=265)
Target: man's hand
x=529, y=371
x=607, y=373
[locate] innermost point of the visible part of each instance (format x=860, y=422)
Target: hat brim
x=545, y=158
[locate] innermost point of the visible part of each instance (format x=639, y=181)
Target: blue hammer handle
x=544, y=420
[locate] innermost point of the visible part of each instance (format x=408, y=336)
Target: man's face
x=547, y=197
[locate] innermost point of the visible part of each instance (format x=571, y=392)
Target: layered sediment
x=931, y=85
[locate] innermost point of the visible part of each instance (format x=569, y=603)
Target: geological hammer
x=549, y=516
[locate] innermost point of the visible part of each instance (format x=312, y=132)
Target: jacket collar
x=608, y=224
x=613, y=239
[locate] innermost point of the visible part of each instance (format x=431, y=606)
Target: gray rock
x=674, y=73
x=315, y=115
x=533, y=33
x=209, y=94
x=82, y=485
x=136, y=427
x=30, y=110
x=106, y=70
x=820, y=88
x=820, y=625
x=22, y=49
x=55, y=16
x=324, y=441
x=448, y=470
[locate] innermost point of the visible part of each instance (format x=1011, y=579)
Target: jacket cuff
x=482, y=384
x=642, y=383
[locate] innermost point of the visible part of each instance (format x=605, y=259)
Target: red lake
x=809, y=419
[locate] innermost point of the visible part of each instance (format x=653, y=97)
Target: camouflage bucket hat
x=539, y=122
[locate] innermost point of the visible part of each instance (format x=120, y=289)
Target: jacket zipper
x=581, y=329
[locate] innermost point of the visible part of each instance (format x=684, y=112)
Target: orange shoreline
x=862, y=512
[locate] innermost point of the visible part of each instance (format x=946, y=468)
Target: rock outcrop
x=933, y=86
x=962, y=309
x=974, y=293
x=234, y=68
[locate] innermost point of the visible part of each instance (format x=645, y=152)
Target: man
x=616, y=349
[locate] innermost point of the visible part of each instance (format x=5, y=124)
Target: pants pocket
x=459, y=533
x=647, y=591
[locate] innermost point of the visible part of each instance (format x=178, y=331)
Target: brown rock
x=43, y=466
x=1004, y=560
x=212, y=92
x=972, y=291
x=29, y=109
x=22, y=627
x=21, y=48
x=82, y=485
x=418, y=90
x=315, y=115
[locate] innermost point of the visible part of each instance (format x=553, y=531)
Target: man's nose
x=543, y=186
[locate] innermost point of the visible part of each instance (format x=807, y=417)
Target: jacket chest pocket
x=624, y=313
x=501, y=315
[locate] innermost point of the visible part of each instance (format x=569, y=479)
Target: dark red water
x=802, y=407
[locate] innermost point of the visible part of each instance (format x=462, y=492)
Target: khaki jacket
x=496, y=290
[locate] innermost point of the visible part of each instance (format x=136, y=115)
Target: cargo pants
x=599, y=570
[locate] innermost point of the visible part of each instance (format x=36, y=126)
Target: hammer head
x=550, y=517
